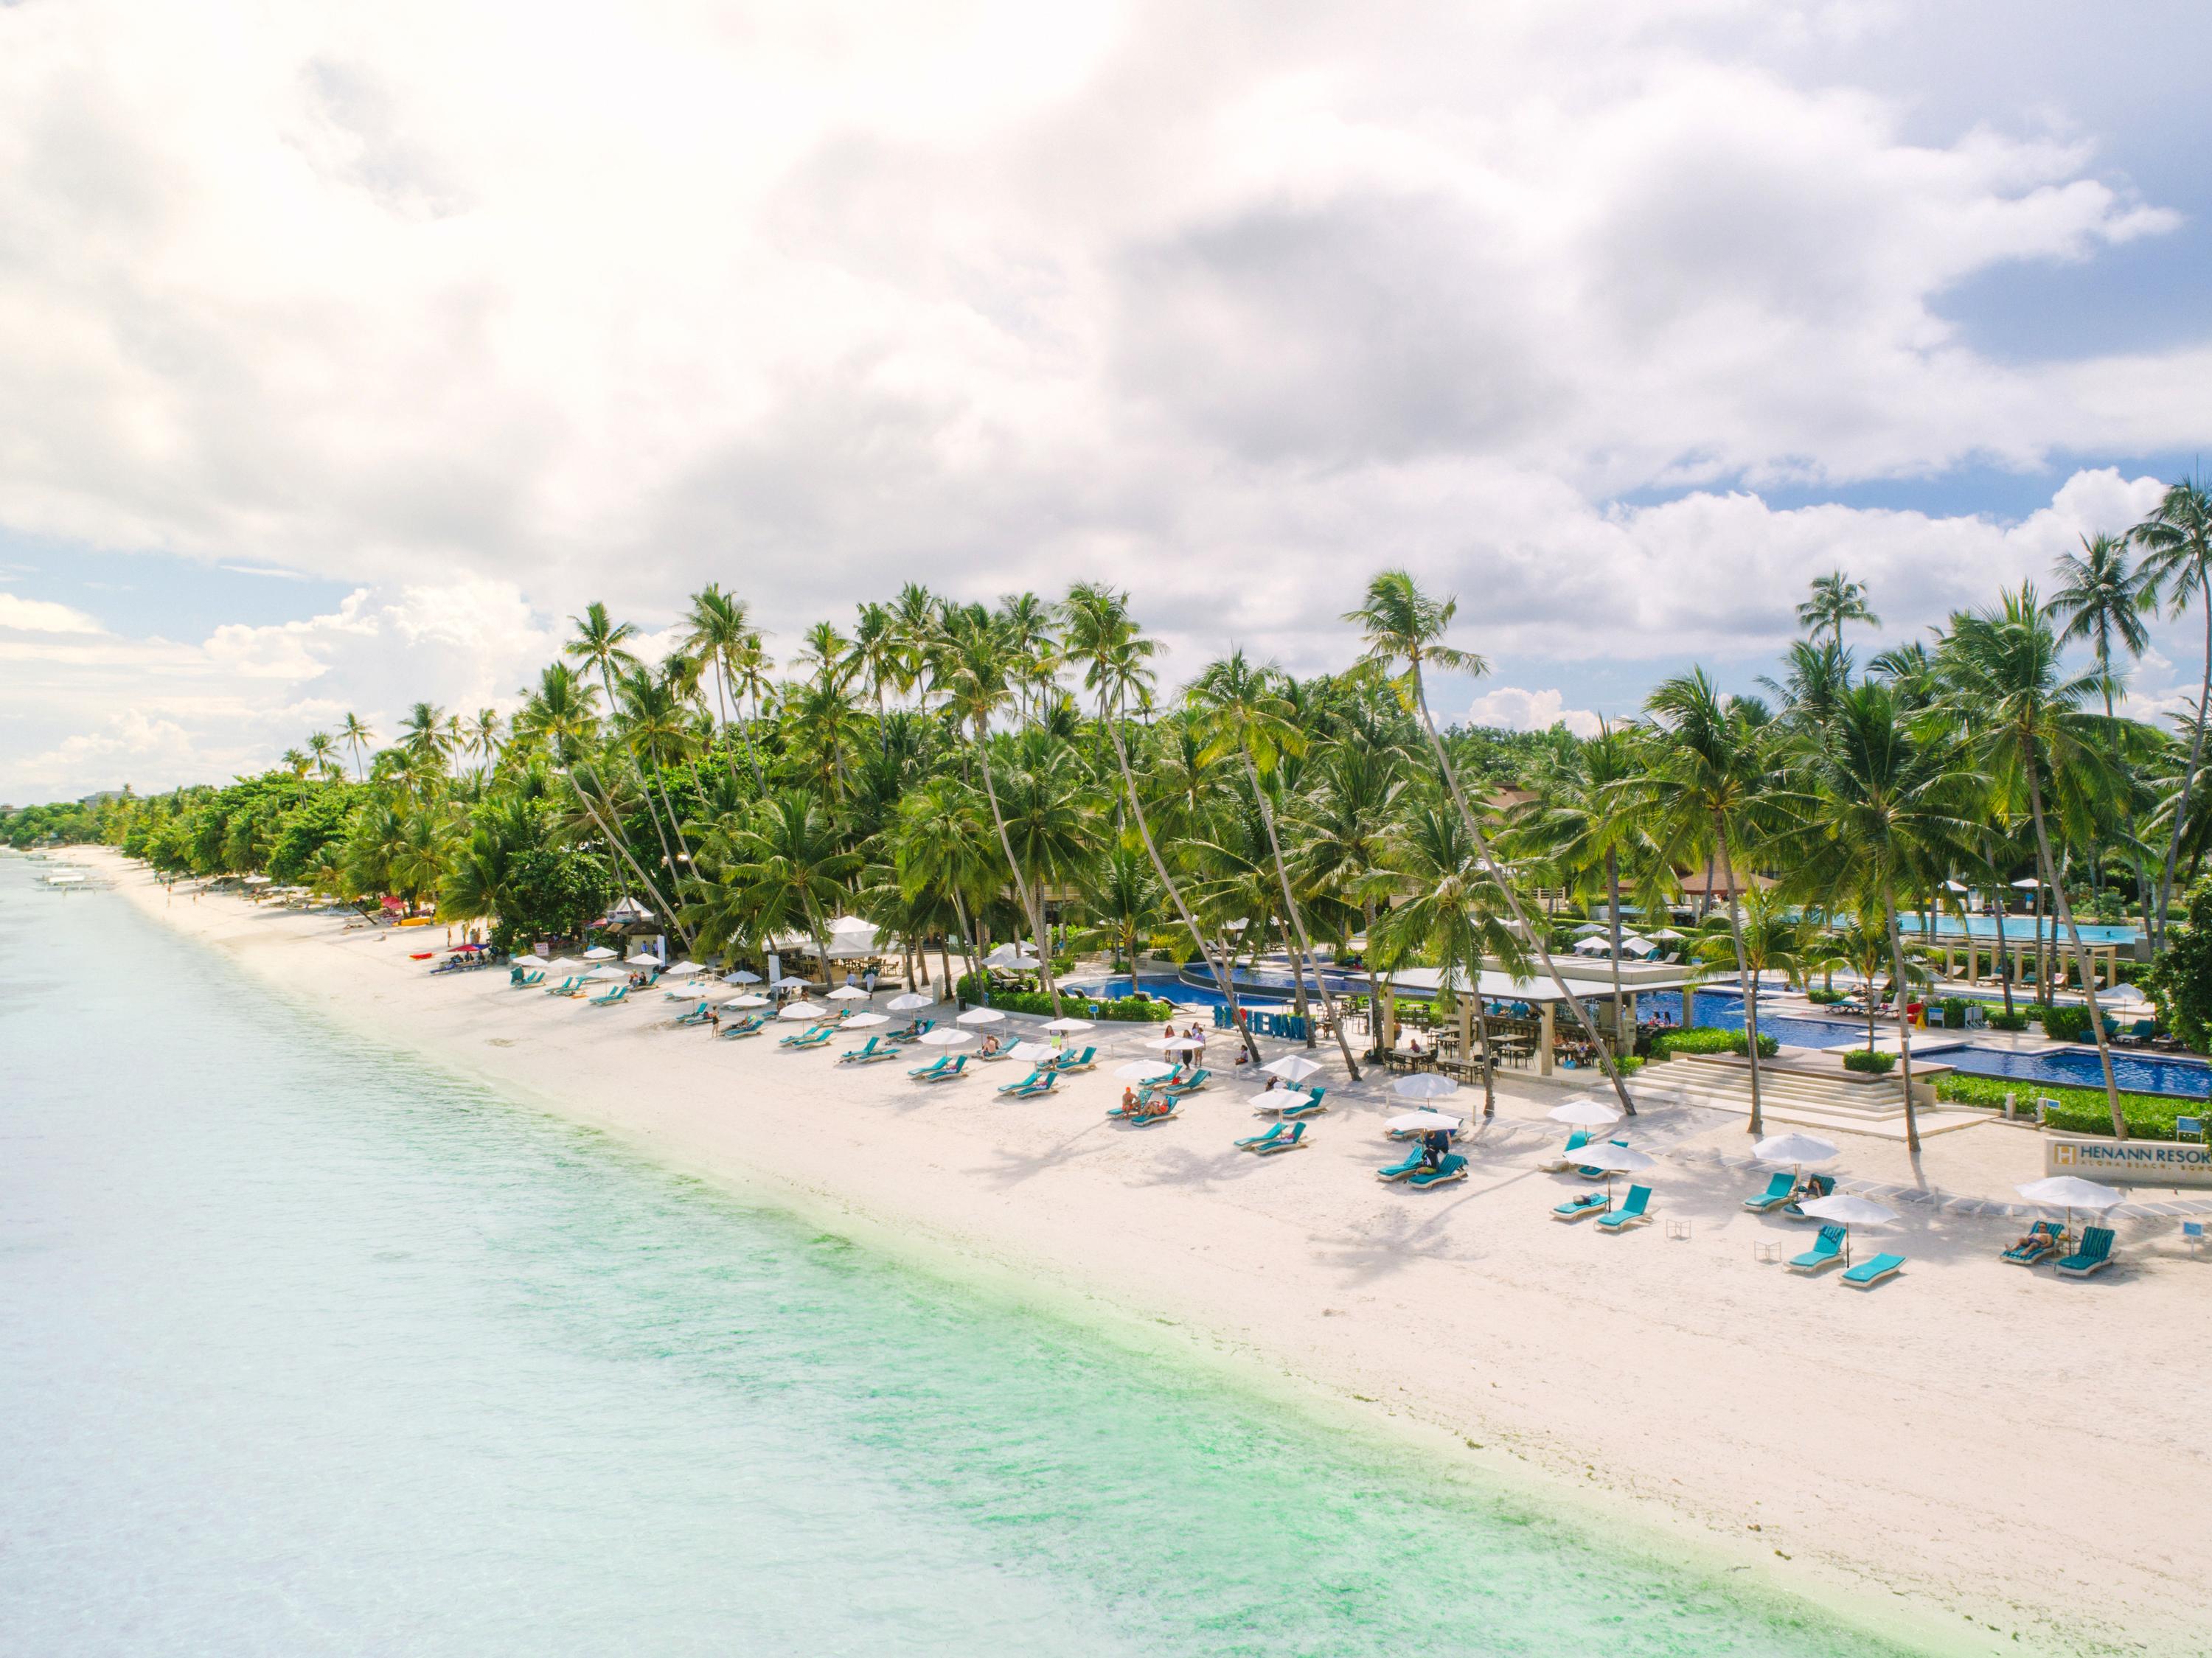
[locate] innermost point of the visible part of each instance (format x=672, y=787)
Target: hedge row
x=1131, y=1009
x=2075, y=1110
x=1703, y=1040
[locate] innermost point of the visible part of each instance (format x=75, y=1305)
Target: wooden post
x=1547, y=1028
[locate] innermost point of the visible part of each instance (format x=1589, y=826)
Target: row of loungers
x=2046, y=1238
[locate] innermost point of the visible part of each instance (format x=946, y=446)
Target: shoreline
x=1811, y=1436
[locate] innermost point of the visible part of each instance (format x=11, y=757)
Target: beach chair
x=698, y=1015
x=1400, y=1169
x=2093, y=1256
x=620, y=993
x=805, y=1040
x=1145, y=1116
x=1039, y=1081
x=1564, y=1161
x=1867, y=1273
x=943, y=1069
x=751, y=1025
x=1778, y=1192
x=1290, y=1142
x=1816, y=1186
x=1827, y=1249
x=1583, y=1203
x=868, y=1052
x=1636, y=1210
x=1068, y=1063
x=1596, y=1174
x=1308, y=1105
x=566, y=987
x=1252, y=1142
x=529, y=981
x=2044, y=1239
x=518, y=976
x=1451, y=1168
x=1190, y=1085
x=913, y=1031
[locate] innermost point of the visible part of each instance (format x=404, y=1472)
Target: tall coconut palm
x=779, y=866
x=1341, y=826
x=719, y=631
x=2022, y=714
x=322, y=750
x=942, y=843
x=1104, y=641
x=2102, y=602
x=424, y=738
x=1246, y=715
x=2177, y=543
x=1836, y=599
x=1878, y=807
x=356, y=736
x=603, y=642
x=1403, y=624
x=1706, y=787
x=482, y=737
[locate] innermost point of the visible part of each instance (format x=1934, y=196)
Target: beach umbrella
x=1423, y=1123
x=1849, y=1209
x=1291, y=1067
x=907, y=1003
x=1666, y=935
x=2028, y=884
x=747, y=998
x=609, y=973
x=1611, y=1160
x=600, y=953
x=1068, y=1026
x=1031, y=1051
x=801, y=1010
x=864, y=1021
x=2123, y=993
x=1177, y=1044
x=741, y=977
x=1591, y=947
x=948, y=1036
x=1588, y=928
x=1020, y=964
x=533, y=959
x=1796, y=1150
x=1422, y=1085
x=1144, y=1070
x=562, y=963
x=980, y=1016
x=1584, y=1112
x=1632, y=941
x=848, y=994
x=682, y=969
x=1956, y=886
x=2069, y=1193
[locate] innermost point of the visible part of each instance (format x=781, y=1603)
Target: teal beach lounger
x=1638, y=1208
x=1867, y=1273
x=1583, y=1203
x=1778, y=1192
x=1827, y=1249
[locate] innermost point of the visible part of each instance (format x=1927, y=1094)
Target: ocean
x=308, y=1348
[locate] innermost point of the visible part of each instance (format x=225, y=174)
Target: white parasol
x=1796, y=1150
x=1423, y=1123
x=864, y=1021
x=848, y=994
x=741, y=977
x=746, y=999
x=600, y=953
x=801, y=1010
x=1291, y=1067
x=682, y=969
x=1068, y=1026
x=980, y=1016
x=1145, y=1070
x=946, y=1036
x=1423, y=1085
x=1031, y=1051
x=907, y=1003
x=1584, y=1112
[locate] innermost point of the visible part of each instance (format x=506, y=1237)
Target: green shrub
x=1878, y=1065
x=2001, y=1020
x=2074, y=1110
x=1820, y=998
x=1702, y=1039
x=1954, y=1012
x=2066, y=1024
x=1131, y=1010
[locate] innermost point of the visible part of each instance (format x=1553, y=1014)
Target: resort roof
x=1504, y=988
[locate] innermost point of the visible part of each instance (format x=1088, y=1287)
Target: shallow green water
x=306, y=1348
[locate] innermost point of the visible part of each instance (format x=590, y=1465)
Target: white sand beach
x=1971, y=1452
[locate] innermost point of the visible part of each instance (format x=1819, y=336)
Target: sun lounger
x=814, y=1036
x=943, y=1069
x=1595, y=1173
x=1290, y=1142
x=1400, y=1169
x=1778, y=1192
x=529, y=981
x=1564, y=1161
x=868, y=1053
x=1816, y=1186
x=1302, y=1105
x=914, y=1031
x=751, y=1025
x=1583, y=1203
x=1037, y=1082
x=1638, y=1208
x=1191, y=1085
x=1145, y=1119
x=1451, y=1168
x=1827, y=1249
x=1068, y=1063
x=1867, y=1273
x=2044, y=1239
x=698, y=1015
x=1252, y=1142
x=566, y=987
x=2093, y=1256
x=618, y=993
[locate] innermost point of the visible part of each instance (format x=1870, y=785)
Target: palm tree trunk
x=1482, y=1034
x=622, y=851
x=1159, y=867
x=2189, y=777
x=1034, y=914
x=1512, y=900
x=2080, y=958
x=1613, y=898
x=1374, y=983
x=1743, y=972
x=1298, y=920
x=1903, y=1019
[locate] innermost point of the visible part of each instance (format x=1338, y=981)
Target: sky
x=346, y=352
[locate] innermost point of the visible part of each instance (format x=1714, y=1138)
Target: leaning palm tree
x=1878, y=808
x=1403, y=624
x=356, y=736
x=1245, y=715
x=1103, y=639
x=2014, y=703
x=2102, y=603
x=1836, y=599
x=1707, y=786
x=1339, y=825
x=322, y=750
x=2177, y=543
x=604, y=643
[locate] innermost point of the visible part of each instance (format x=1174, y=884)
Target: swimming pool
x=2020, y=928
x=1182, y=994
x=2077, y=1068
x=1723, y=1011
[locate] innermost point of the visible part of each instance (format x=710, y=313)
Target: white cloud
x=1518, y=710
x=37, y=616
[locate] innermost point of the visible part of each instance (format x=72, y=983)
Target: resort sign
x=2130, y=1162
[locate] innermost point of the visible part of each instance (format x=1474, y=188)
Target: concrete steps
x=1806, y=1097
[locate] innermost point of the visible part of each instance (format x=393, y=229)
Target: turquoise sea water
x=306, y=1348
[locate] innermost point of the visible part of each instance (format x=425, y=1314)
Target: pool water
x=2022, y=928
x=1723, y=1011
x=2078, y=1067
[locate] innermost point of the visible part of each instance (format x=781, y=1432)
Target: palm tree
x=1246, y=715
x=2177, y=543
x=1708, y=780
x=1402, y=623
x=604, y=643
x=1879, y=808
x=1836, y=599
x=1119, y=897
x=357, y=737
x=296, y=761
x=2023, y=716
x=423, y=738
x=483, y=739
x=719, y=631
x=781, y=866
x=941, y=843
x=1104, y=641
x=2103, y=602
x=322, y=750
x=1340, y=825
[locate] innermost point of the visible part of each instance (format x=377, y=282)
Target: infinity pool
x=2078, y=1068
